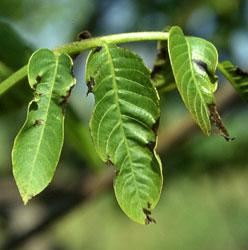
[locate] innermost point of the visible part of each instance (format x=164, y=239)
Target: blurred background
x=204, y=204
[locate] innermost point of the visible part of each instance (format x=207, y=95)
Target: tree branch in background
x=169, y=137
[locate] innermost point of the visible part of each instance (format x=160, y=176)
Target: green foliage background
x=204, y=201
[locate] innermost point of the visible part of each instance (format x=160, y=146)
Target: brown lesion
x=147, y=212
x=216, y=119
x=38, y=122
x=64, y=99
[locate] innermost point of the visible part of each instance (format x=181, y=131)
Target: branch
x=80, y=46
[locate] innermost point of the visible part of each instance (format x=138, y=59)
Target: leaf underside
x=237, y=77
x=162, y=74
x=194, y=61
x=123, y=127
x=38, y=145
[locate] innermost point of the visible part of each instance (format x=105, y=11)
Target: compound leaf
x=194, y=61
x=123, y=127
x=236, y=76
x=38, y=145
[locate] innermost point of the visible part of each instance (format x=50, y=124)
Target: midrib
x=44, y=125
x=115, y=87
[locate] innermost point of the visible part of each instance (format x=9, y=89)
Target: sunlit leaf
x=123, y=127
x=194, y=61
x=37, y=146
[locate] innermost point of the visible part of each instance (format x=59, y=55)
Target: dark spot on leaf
x=109, y=163
x=65, y=98
x=84, y=35
x=203, y=66
x=148, y=213
x=156, y=70
x=38, y=122
x=38, y=79
x=33, y=106
x=155, y=126
x=90, y=85
x=241, y=72
x=216, y=119
x=97, y=49
x=151, y=145
x=149, y=205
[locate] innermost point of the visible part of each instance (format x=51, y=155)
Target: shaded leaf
x=194, y=61
x=123, y=127
x=236, y=76
x=37, y=147
x=15, y=51
x=162, y=74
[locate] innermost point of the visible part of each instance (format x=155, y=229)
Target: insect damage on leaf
x=123, y=126
x=148, y=213
x=216, y=119
x=202, y=65
x=38, y=144
x=90, y=84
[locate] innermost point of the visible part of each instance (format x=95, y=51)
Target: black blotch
x=149, y=205
x=33, y=106
x=148, y=213
x=151, y=145
x=203, y=66
x=216, y=119
x=90, y=85
x=84, y=35
x=156, y=70
x=38, y=79
x=38, y=122
x=241, y=72
x=161, y=55
x=65, y=98
x=155, y=126
x=109, y=163
x=97, y=49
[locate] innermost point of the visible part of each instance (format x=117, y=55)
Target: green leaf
x=236, y=76
x=194, y=61
x=123, y=127
x=162, y=74
x=15, y=51
x=37, y=146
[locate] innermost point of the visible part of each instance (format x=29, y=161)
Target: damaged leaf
x=123, y=125
x=38, y=145
x=194, y=61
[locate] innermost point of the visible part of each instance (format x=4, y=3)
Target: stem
x=78, y=47
x=13, y=79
